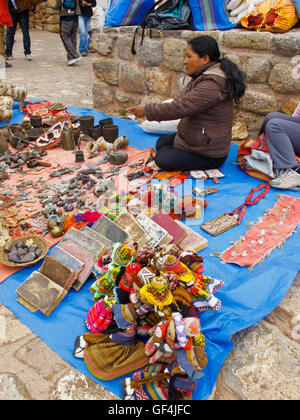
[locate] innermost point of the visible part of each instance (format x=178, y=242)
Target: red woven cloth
x=276, y=226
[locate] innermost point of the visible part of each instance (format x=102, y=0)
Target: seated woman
x=283, y=135
x=205, y=108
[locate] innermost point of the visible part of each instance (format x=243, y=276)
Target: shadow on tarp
x=247, y=296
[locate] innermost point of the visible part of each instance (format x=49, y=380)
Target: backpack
x=173, y=14
x=69, y=4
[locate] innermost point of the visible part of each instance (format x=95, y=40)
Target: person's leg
x=168, y=158
x=66, y=33
x=82, y=34
x=10, y=36
x=89, y=33
x=271, y=116
x=73, y=35
x=283, y=137
x=166, y=140
x=24, y=24
x=284, y=143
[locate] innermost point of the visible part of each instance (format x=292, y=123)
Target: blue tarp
x=247, y=296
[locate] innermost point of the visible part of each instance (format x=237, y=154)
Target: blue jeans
x=84, y=34
x=23, y=19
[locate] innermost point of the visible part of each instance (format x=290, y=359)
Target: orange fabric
x=271, y=15
x=59, y=159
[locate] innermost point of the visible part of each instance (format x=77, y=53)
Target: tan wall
x=270, y=61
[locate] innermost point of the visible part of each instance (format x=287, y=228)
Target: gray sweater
x=63, y=11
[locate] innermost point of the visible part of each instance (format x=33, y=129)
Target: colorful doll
x=202, y=288
x=121, y=256
x=176, y=360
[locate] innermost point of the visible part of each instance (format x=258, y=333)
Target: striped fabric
x=209, y=15
x=127, y=12
x=297, y=111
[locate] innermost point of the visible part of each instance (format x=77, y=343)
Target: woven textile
x=271, y=230
x=107, y=360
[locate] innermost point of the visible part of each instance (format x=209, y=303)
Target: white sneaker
x=73, y=61
x=9, y=57
x=288, y=180
x=28, y=57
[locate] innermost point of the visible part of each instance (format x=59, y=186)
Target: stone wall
x=156, y=73
x=45, y=18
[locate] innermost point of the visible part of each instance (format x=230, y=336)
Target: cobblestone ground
x=264, y=363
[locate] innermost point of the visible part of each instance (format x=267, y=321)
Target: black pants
x=168, y=158
x=68, y=27
x=23, y=19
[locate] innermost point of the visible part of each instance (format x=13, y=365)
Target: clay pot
x=36, y=121
x=117, y=158
x=106, y=121
x=110, y=133
x=96, y=132
x=86, y=123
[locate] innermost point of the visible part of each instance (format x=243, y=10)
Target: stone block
x=258, y=69
x=58, y=272
x=41, y=292
x=84, y=241
x=194, y=34
x=287, y=44
x=247, y=39
x=159, y=80
x=123, y=47
x=111, y=230
x=127, y=222
x=106, y=71
x=258, y=102
x=82, y=255
x=150, y=53
x=174, y=54
x=98, y=237
x=158, y=234
x=289, y=106
x=131, y=79
x=102, y=94
x=104, y=44
x=285, y=79
x=67, y=259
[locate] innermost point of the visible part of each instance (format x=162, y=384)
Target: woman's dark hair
x=206, y=45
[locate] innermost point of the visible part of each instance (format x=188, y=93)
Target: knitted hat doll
x=122, y=255
x=157, y=293
x=172, y=264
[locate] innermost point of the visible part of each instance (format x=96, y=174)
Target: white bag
x=162, y=127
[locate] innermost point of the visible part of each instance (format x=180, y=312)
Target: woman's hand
x=138, y=111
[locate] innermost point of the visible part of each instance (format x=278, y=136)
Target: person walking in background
x=69, y=10
x=5, y=20
x=86, y=8
x=21, y=17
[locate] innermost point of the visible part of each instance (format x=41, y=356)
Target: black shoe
x=7, y=65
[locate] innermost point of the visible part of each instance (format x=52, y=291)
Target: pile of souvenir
x=145, y=320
